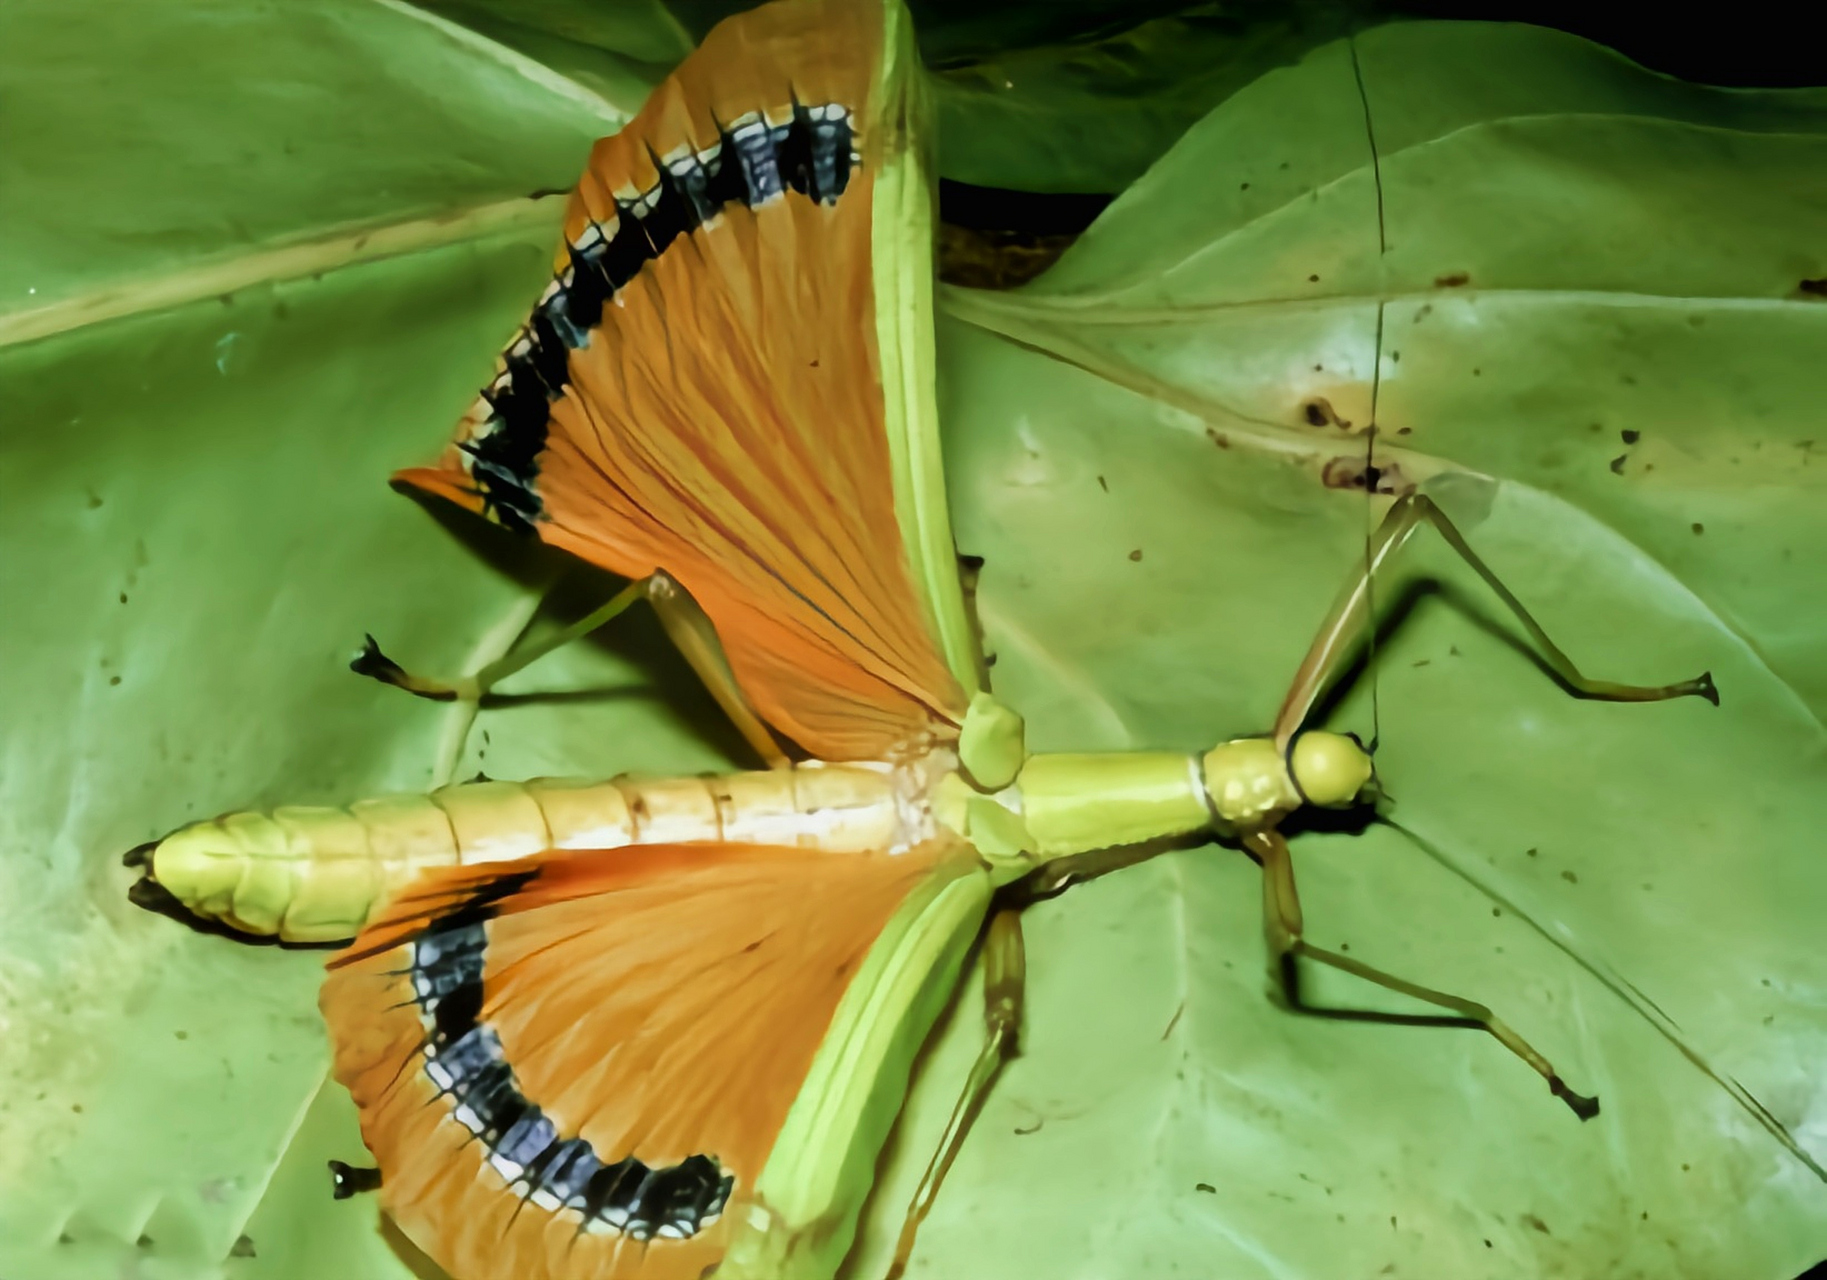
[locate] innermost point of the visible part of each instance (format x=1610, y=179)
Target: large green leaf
x=216, y=348
x=1575, y=293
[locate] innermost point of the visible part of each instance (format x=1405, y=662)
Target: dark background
x=1758, y=43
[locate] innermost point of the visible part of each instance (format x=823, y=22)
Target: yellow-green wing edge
x=902, y=234
x=819, y=1173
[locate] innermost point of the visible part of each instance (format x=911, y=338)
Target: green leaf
x=214, y=349
x=255, y=260
x=1091, y=113
x=1633, y=887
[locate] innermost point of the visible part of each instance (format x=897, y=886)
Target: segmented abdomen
x=317, y=874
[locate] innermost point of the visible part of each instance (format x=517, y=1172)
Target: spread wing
x=730, y=377
x=576, y=1066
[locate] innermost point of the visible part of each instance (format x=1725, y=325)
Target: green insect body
x=317, y=874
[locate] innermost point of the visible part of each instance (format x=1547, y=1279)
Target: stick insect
x=659, y=1028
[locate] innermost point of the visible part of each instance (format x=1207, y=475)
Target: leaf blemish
x=1136, y=554
x=1320, y=413
x=1617, y=464
x=1349, y=472
x=1629, y=436
x=1699, y=528
x=1453, y=280
x=1103, y=484
x=1206, y=1187
x=1814, y=288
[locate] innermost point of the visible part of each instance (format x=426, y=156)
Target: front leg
x=1350, y=620
x=1283, y=927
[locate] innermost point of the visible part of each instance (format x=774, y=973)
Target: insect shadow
x=569, y=590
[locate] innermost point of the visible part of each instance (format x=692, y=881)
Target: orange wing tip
x=430, y=1056
x=453, y=486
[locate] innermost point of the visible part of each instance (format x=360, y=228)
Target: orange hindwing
x=573, y=1067
x=700, y=391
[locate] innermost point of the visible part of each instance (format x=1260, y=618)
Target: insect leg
x=1004, y=974
x=372, y=662
x=695, y=636
x=1287, y=947
x=1340, y=633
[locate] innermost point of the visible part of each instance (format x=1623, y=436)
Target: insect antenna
x=1371, y=474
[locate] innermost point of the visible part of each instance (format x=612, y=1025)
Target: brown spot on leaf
x=242, y=1248
x=1813, y=288
x=1698, y=527
x=1530, y=1220
x=1453, y=280
x=1136, y=554
x=1569, y=877
x=1350, y=472
x=1617, y=464
x=1320, y=413
x=1218, y=437
x=1629, y=436
x=1206, y=1187
x=1312, y=279
x=1103, y=484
